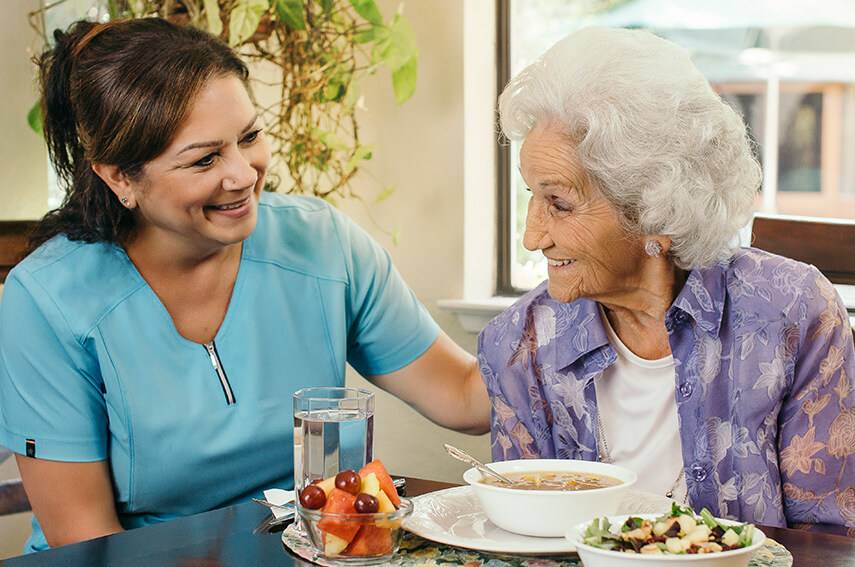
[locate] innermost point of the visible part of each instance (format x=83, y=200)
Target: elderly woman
x=722, y=376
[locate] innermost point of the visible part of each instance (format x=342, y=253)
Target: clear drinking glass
x=333, y=431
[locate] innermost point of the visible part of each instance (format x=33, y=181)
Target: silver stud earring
x=653, y=248
x=124, y=201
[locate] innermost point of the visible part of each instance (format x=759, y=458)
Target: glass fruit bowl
x=353, y=538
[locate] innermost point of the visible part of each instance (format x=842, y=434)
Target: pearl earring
x=653, y=248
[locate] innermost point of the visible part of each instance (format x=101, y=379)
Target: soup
x=553, y=480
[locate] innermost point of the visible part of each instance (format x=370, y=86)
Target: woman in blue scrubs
x=152, y=340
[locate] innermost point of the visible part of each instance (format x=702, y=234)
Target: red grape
x=366, y=504
x=313, y=497
x=348, y=481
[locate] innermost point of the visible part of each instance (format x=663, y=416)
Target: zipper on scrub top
x=221, y=374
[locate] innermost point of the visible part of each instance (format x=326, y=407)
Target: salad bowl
x=594, y=538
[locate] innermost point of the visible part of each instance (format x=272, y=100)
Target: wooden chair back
x=828, y=244
x=13, y=499
x=13, y=242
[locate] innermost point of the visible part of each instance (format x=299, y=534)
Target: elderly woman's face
x=589, y=251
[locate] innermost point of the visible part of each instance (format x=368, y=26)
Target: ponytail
x=89, y=212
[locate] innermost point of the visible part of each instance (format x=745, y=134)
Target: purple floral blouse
x=765, y=364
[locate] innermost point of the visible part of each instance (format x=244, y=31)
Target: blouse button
x=681, y=316
x=699, y=473
x=686, y=389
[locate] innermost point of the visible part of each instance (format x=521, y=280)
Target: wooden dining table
x=228, y=537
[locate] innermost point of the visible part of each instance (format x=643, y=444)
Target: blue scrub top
x=92, y=367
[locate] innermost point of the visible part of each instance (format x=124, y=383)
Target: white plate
x=454, y=516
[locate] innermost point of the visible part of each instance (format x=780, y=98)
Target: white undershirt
x=638, y=411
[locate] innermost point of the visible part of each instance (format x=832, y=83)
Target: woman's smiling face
x=590, y=252
x=201, y=193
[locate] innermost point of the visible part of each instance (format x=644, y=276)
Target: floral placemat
x=417, y=551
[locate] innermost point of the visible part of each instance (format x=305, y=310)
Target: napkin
x=281, y=498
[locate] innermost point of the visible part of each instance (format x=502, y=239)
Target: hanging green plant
x=312, y=55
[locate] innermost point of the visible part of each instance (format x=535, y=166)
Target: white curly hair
x=650, y=132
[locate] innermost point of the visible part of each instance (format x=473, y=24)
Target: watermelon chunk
x=339, y=502
x=371, y=540
x=386, y=484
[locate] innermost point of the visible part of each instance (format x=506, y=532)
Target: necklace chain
x=605, y=455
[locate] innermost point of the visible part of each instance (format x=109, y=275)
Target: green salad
x=677, y=532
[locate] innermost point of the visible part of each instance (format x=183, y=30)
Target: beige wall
x=23, y=166
x=419, y=149
x=23, y=190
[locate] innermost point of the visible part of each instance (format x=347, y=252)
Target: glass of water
x=333, y=431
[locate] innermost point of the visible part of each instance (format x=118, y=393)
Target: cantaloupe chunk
x=384, y=502
x=327, y=485
x=385, y=506
x=370, y=485
x=334, y=545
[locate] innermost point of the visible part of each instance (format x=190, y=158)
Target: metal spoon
x=467, y=458
x=272, y=523
x=287, y=505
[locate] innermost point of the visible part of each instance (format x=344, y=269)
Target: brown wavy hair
x=116, y=94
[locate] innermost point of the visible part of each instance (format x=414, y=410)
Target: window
x=790, y=72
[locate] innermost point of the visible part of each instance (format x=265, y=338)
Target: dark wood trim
x=504, y=230
x=13, y=498
x=828, y=244
x=13, y=242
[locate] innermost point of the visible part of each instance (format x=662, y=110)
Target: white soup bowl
x=548, y=513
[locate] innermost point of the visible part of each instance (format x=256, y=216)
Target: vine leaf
x=362, y=153
x=396, y=47
x=245, y=19
x=368, y=10
x=404, y=80
x=399, y=46
x=212, y=15
x=34, y=117
x=369, y=35
x=291, y=12
x=385, y=194
x=330, y=140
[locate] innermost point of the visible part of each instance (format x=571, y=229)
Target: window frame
x=503, y=158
